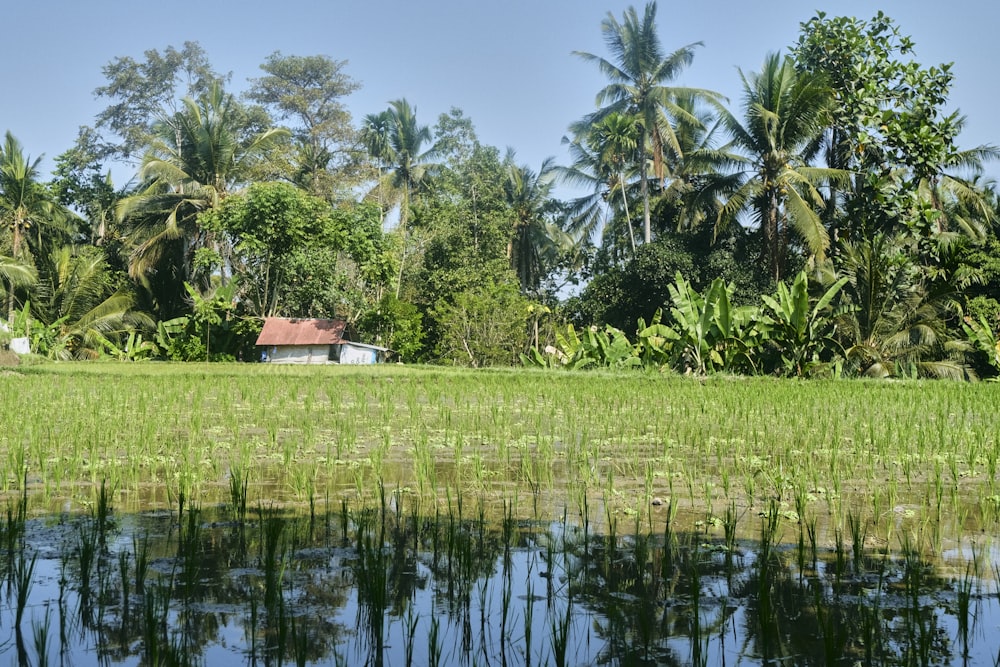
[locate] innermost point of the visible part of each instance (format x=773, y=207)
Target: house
x=313, y=341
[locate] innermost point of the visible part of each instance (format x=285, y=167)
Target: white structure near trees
x=313, y=341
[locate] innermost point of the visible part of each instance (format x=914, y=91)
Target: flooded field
x=380, y=586
x=163, y=515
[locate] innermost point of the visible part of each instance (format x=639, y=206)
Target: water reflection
x=383, y=586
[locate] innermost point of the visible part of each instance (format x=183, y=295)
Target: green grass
x=913, y=456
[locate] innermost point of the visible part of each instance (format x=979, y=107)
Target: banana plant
x=608, y=347
x=801, y=330
x=655, y=342
x=713, y=335
x=134, y=348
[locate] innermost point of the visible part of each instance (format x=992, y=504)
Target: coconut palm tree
x=26, y=205
x=603, y=161
x=24, y=201
x=198, y=156
x=700, y=174
x=784, y=116
x=77, y=308
x=894, y=323
x=638, y=71
x=616, y=137
x=14, y=274
x=535, y=242
x=399, y=146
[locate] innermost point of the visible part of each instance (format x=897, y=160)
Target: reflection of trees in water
x=296, y=592
x=858, y=616
x=679, y=601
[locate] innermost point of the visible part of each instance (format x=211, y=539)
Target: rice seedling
x=434, y=647
x=239, y=481
x=40, y=632
x=529, y=613
x=21, y=575
x=560, y=625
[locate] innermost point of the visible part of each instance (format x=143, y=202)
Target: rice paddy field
x=231, y=514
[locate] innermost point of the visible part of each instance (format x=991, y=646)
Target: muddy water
x=380, y=586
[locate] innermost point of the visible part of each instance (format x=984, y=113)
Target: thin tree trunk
x=628, y=218
x=647, y=234
x=403, y=210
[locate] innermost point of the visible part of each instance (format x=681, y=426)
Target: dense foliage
x=829, y=222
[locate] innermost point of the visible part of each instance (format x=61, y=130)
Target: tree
x=295, y=254
x=14, y=274
x=142, y=91
x=784, y=114
x=701, y=178
x=25, y=205
x=638, y=72
x=617, y=137
x=483, y=326
x=398, y=142
x=603, y=161
x=309, y=91
x=589, y=214
x=77, y=308
x=894, y=324
x=535, y=241
x=887, y=123
x=199, y=155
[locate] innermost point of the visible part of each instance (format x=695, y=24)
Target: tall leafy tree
x=888, y=123
x=298, y=255
x=198, y=156
x=639, y=71
x=141, y=91
x=784, y=116
x=309, y=92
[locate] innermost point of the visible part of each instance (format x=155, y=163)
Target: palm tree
x=25, y=204
x=784, y=118
x=700, y=173
x=965, y=201
x=76, y=306
x=603, y=159
x=638, y=74
x=894, y=323
x=197, y=157
x=536, y=242
x=398, y=143
x=23, y=200
x=617, y=138
x=14, y=274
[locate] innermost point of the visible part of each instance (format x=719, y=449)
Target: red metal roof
x=301, y=331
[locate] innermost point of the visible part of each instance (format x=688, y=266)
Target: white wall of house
x=357, y=354
x=298, y=354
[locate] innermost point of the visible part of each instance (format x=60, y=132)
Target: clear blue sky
x=507, y=65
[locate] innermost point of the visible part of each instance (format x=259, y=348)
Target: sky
x=509, y=66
